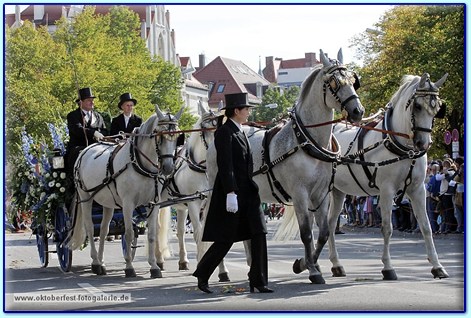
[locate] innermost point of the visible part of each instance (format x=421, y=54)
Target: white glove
x=452, y=183
x=231, y=203
x=98, y=135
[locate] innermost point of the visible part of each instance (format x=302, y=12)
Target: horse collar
x=391, y=143
x=310, y=146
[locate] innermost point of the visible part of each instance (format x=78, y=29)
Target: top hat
x=237, y=100
x=124, y=98
x=84, y=93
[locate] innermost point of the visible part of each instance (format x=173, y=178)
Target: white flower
x=54, y=174
x=48, y=175
x=51, y=184
x=58, y=185
x=62, y=175
x=49, y=205
x=62, y=189
x=20, y=174
x=42, y=195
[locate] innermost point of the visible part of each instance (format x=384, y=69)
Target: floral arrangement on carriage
x=35, y=187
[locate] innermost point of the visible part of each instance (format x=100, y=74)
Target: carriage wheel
x=62, y=226
x=133, y=244
x=42, y=243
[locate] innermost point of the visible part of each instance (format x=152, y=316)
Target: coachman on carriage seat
x=86, y=126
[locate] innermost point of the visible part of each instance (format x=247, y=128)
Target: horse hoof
x=389, y=274
x=161, y=266
x=297, y=266
x=224, y=278
x=155, y=273
x=338, y=271
x=98, y=269
x=439, y=273
x=130, y=272
x=183, y=266
x=317, y=279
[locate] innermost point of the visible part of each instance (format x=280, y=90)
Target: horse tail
x=162, y=236
x=79, y=234
x=288, y=228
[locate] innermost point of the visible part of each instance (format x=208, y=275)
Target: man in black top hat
x=85, y=125
x=235, y=213
x=126, y=121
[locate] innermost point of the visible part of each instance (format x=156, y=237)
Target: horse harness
x=135, y=160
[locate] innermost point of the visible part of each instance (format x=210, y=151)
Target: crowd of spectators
x=444, y=184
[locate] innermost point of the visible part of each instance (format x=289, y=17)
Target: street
x=363, y=289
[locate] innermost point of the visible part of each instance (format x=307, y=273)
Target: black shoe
x=261, y=289
x=339, y=232
x=203, y=285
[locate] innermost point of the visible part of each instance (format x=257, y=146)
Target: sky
x=249, y=33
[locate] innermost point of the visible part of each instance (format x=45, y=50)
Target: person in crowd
x=447, y=191
x=458, y=197
x=86, y=126
x=235, y=212
x=127, y=120
x=433, y=189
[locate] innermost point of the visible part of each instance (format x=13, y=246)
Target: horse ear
x=442, y=80
x=180, y=112
x=201, y=109
x=158, y=112
x=325, y=61
x=442, y=111
x=423, y=79
x=340, y=56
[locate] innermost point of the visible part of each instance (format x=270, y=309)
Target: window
x=221, y=88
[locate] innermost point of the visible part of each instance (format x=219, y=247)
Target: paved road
x=362, y=290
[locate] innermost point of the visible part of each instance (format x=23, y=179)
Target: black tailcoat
x=235, y=167
x=118, y=124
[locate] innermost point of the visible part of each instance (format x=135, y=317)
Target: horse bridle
x=136, y=153
x=431, y=107
x=333, y=83
x=207, y=118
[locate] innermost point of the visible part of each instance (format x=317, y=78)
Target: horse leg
x=182, y=214
x=417, y=197
x=305, y=222
x=336, y=203
x=88, y=222
x=386, y=198
x=128, y=237
x=320, y=215
x=152, y=221
x=107, y=215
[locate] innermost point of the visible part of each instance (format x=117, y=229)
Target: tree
x=105, y=52
x=416, y=40
x=275, y=103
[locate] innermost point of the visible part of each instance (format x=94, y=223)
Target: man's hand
x=98, y=135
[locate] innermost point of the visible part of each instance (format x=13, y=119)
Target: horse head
x=166, y=138
x=425, y=106
x=342, y=84
x=208, y=123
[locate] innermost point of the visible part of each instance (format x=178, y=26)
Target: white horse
x=402, y=165
x=189, y=179
x=124, y=176
x=302, y=155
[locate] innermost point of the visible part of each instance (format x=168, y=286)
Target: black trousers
x=258, y=274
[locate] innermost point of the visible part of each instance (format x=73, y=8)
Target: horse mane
x=402, y=95
x=307, y=83
x=148, y=126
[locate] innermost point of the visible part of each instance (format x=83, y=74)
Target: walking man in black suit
x=235, y=213
x=86, y=126
x=126, y=121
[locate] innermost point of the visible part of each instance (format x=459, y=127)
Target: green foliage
x=416, y=40
x=284, y=100
x=105, y=52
